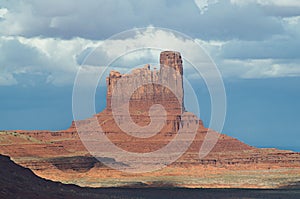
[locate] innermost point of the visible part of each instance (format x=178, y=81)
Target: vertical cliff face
x=171, y=59
x=171, y=74
x=144, y=87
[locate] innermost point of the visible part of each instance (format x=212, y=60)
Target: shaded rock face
x=76, y=163
x=19, y=182
x=80, y=164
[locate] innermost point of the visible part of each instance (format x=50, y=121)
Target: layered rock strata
x=62, y=156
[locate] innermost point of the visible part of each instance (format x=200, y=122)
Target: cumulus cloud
x=268, y=49
x=36, y=60
x=47, y=41
x=100, y=19
x=3, y=12
x=30, y=61
x=260, y=68
x=203, y=4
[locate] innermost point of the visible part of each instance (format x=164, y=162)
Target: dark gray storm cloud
x=99, y=19
x=14, y=54
x=247, y=30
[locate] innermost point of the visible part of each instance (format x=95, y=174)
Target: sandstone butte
x=61, y=155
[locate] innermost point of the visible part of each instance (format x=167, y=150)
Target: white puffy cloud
x=3, y=12
x=56, y=61
x=273, y=48
x=40, y=60
x=99, y=19
x=260, y=68
x=204, y=4
x=47, y=41
x=36, y=60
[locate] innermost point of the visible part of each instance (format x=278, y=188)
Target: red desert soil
x=61, y=155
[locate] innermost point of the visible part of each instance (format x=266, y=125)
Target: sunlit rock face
x=145, y=87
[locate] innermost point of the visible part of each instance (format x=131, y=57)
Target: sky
x=254, y=43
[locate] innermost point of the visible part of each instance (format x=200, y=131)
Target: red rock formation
x=51, y=154
x=145, y=87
